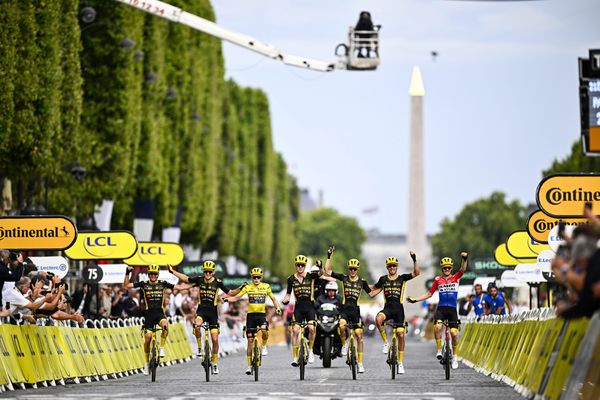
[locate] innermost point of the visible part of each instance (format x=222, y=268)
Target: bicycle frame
x=153, y=362
x=207, y=350
x=303, y=350
x=352, y=357
x=446, y=349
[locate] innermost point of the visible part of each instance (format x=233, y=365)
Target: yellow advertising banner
x=520, y=245
x=503, y=257
x=539, y=225
x=156, y=253
x=112, y=245
x=566, y=195
x=37, y=232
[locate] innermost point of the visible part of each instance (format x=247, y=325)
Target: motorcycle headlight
x=325, y=318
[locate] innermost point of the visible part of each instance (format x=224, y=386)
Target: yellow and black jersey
x=208, y=289
x=393, y=289
x=153, y=293
x=351, y=288
x=303, y=290
x=257, y=297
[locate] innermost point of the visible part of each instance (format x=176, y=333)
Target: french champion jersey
x=208, y=290
x=257, y=296
x=351, y=289
x=153, y=293
x=447, y=288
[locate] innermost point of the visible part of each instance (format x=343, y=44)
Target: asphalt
x=424, y=379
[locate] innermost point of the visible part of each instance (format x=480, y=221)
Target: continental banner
x=539, y=225
x=156, y=253
x=37, y=233
x=565, y=195
x=520, y=245
x=112, y=245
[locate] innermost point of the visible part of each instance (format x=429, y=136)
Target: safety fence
x=541, y=356
x=49, y=355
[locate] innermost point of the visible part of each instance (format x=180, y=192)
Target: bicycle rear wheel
x=301, y=359
x=447, y=361
x=393, y=357
x=255, y=359
x=153, y=362
x=207, y=360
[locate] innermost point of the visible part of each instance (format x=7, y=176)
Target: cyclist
x=352, y=286
x=256, y=318
x=208, y=286
x=303, y=285
x=153, y=293
x=393, y=286
x=447, y=284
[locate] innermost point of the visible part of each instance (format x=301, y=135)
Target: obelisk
x=416, y=239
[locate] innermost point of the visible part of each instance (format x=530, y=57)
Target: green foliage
x=576, y=161
x=479, y=227
x=324, y=226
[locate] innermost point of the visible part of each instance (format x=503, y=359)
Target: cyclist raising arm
x=447, y=284
x=256, y=318
x=393, y=286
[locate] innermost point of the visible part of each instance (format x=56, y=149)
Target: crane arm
x=176, y=14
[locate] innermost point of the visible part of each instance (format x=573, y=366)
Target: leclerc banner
x=159, y=253
x=539, y=225
x=566, y=195
x=112, y=245
x=37, y=233
x=57, y=265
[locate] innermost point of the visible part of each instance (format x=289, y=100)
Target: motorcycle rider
x=330, y=296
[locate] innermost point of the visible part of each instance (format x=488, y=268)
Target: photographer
x=11, y=270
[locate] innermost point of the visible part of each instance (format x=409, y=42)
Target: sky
x=501, y=98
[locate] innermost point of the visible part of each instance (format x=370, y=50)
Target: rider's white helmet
x=331, y=286
x=314, y=269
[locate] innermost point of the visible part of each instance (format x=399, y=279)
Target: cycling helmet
x=208, y=266
x=446, y=261
x=300, y=259
x=353, y=263
x=331, y=286
x=391, y=261
x=256, y=272
x=153, y=269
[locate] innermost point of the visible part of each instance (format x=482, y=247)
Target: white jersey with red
x=448, y=289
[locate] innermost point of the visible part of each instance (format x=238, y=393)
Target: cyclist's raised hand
x=129, y=269
x=170, y=267
x=464, y=255
x=411, y=299
x=413, y=256
x=330, y=250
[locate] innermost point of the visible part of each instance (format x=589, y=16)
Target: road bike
x=446, y=360
x=256, y=355
x=352, y=357
x=392, y=358
x=153, y=362
x=206, y=351
x=303, y=350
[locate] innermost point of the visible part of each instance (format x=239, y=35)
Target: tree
x=323, y=226
x=479, y=227
x=574, y=162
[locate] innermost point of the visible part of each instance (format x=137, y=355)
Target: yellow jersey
x=257, y=296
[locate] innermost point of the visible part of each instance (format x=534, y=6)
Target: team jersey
x=351, y=288
x=208, y=289
x=257, y=296
x=494, y=303
x=303, y=291
x=478, y=302
x=393, y=289
x=153, y=293
x=447, y=288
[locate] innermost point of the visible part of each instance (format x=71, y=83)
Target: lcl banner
x=37, y=232
x=112, y=245
x=539, y=225
x=159, y=253
x=566, y=195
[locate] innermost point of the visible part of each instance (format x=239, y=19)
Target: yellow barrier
x=32, y=354
x=533, y=352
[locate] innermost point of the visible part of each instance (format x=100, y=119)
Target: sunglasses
x=391, y=266
x=300, y=265
x=445, y=268
x=209, y=272
x=352, y=269
x=256, y=277
x=152, y=274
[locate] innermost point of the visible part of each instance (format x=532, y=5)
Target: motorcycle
x=328, y=344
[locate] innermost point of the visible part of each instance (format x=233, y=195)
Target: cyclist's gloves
x=330, y=251
x=170, y=268
x=464, y=255
x=129, y=269
x=411, y=300
x=413, y=256
x=319, y=263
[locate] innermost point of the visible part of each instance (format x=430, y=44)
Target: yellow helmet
x=391, y=261
x=300, y=259
x=353, y=263
x=153, y=269
x=446, y=261
x=208, y=266
x=256, y=272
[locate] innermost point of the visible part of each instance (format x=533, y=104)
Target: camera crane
x=350, y=58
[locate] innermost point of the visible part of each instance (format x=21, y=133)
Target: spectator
x=116, y=307
x=11, y=270
x=476, y=302
x=131, y=304
x=494, y=302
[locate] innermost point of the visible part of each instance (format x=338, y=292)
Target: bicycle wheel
x=447, y=361
x=353, y=360
x=301, y=358
x=393, y=357
x=255, y=359
x=207, y=359
x=153, y=362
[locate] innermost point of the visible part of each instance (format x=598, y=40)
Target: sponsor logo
x=565, y=195
x=157, y=253
x=37, y=232
x=540, y=224
x=556, y=196
x=112, y=245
